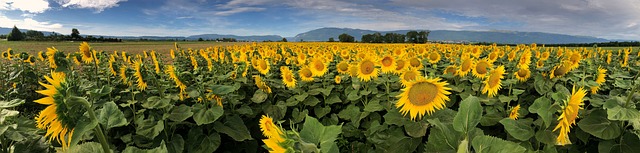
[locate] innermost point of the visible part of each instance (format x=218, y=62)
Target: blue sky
x=612, y=19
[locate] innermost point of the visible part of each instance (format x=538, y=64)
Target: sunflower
x=560, y=70
x=305, y=74
x=434, y=57
x=194, y=62
x=514, y=112
x=287, y=77
x=338, y=79
x=494, y=82
x=423, y=96
x=274, y=145
x=493, y=56
x=318, y=67
x=400, y=66
x=451, y=69
x=269, y=129
x=410, y=74
x=367, y=69
x=481, y=68
x=138, y=74
x=261, y=84
x=575, y=60
x=123, y=74
x=523, y=74
x=353, y=70
x=343, y=67
x=85, y=49
x=465, y=67
x=545, y=55
x=511, y=56
x=388, y=64
x=600, y=79
x=112, y=69
x=540, y=64
x=42, y=56
x=569, y=115
x=54, y=117
x=415, y=62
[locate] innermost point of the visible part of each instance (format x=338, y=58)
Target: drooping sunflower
x=42, y=56
x=87, y=55
x=600, y=79
x=318, y=67
x=465, y=67
x=451, y=69
x=560, y=70
x=123, y=74
x=423, y=96
x=112, y=68
x=53, y=118
x=434, y=57
x=194, y=62
x=353, y=70
x=410, y=74
x=514, y=112
x=388, y=64
x=138, y=74
x=305, y=74
x=287, y=77
x=523, y=74
x=269, y=129
x=343, y=67
x=569, y=115
x=261, y=84
x=481, y=68
x=494, y=82
x=367, y=69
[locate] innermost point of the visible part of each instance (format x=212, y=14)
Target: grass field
x=130, y=46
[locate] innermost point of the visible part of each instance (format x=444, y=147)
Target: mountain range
x=323, y=34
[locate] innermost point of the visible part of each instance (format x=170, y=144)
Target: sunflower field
x=321, y=97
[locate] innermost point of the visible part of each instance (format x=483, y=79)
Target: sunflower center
x=411, y=75
x=433, y=56
x=343, y=67
x=422, y=93
x=262, y=64
x=318, y=65
x=481, y=68
x=414, y=62
x=306, y=73
x=560, y=71
x=523, y=72
x=366, y=67
x=466, y=65
x=387, y=61
x=450, y=70
x=399, y=64
x=288, y=77
x=494, y=80
x=493, y=56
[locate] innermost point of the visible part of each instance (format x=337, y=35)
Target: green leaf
x=598, y=125
x=491, y=119
x=618, y=113
x=398, y=143
x=605, y=146
x=156, y=102
x=519, y=129
x=222, y=89
x=543, y=107
x=92, y=147
x=629, y=143
x=180, y=113
x=321, y=111
x=176, y=144
x=84, y=125
x=333, y=98
x=463, y=147
x=442, y=138
x=4, y=113
x=301, y=97
x=314, y=132
x=373, y=106
x=311, y=101
x=149, y=128
x=416, y=129
x=489, y=144
x=132, y=149
x=202, y=115
x=234, y=127
x=546, y=137
x=110, y=116
x=468, y=115
x=353, y=95
x=12, y=103
x=542, y=85
x=259, y=96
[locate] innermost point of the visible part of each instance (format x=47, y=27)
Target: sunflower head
x=523, y=74
x=261, y=84
x=409, y=75
x=415, y=62
x=434, y=57
x=58, y=118
x=451, y=69
x=423, y=96
x=318, y=67
x=388, y=64
x=481, y=68
x=263, y=66
x=569, y=115
x=343, y=67
x=305, y=74
x=287, y=77
x=560, y=70
x=338, y=79
x=85, y=50
x=400, y=66
x=269, y=129
x=465, y=67
x=493, y=83
x=514, y=112
x=367, y=69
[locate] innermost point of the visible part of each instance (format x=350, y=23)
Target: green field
x=129, y=46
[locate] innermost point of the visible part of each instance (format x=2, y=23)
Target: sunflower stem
x=633, y=91
x=98, y=130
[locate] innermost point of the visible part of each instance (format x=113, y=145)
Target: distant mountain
x=5, y=31
x=506, y=37
x=247, y=38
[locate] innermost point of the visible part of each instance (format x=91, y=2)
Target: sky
x=610, y=19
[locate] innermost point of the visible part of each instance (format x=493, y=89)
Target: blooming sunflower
x=138, y=74
x=338, y=79
x=367, y=69
x=261, y=84
x=343, y=67
x=410, y=74
x=415, y=62
x=287, y=77
x=540, y=64
x=85, y=49
x=560, y=70
x=318, y=67
x=269, y=129
x=600, y=79
x=53, y=118
x=569, y=115
x=353, y=70
x=263, y=66
x=511, y=56
x=400, y=66
x=493, y=56
x=434, y=57
x=514, y=112
x=423, y=96
x=494, y=82
x=388, y=64
x=465, y=67
x=451, y=69
x=305, y=74
x=481, y=68
x=523, y=74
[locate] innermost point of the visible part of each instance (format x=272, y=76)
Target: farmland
x=317, y=97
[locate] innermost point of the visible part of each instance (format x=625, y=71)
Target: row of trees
x=32, y=35
x=410, y=37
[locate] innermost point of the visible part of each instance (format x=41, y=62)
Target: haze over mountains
x=323, y=34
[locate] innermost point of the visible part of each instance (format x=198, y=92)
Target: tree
x=200, y=39
x=422, y=36
x=32, y=34
x=412, y=37
x=344, y=37
x=284, y=39
x=15, y=35
x=331, y=39
x=75, y=34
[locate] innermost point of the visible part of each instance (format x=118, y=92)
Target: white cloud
x=239, y=10
x=29, y=23
x=31, y=6
x=98, y=5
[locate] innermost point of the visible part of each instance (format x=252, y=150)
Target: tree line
x=32, y=35
x=409, y=37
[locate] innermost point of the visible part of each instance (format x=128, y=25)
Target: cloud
x=98, y=5
x=239, y=10
x=31, y=6
x=30, y=23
